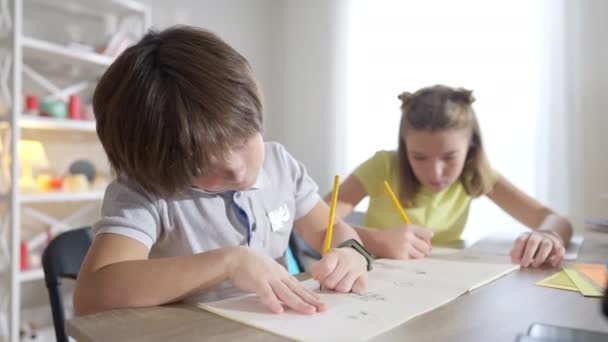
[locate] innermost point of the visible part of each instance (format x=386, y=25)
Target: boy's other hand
x=407, y=241
x=343, y=270
x=260, y=274
x=536, y=248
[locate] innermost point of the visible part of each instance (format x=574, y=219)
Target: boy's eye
x=419, y=158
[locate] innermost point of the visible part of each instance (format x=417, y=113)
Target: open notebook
x=398, y=292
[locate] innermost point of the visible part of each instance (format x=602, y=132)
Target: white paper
x=398, y=292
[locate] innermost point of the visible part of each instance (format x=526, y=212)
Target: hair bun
x=406, y=98
x=463, y=95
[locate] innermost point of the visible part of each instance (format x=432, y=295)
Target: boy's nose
x=237, y=175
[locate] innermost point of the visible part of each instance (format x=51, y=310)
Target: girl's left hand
x=342, y=269
x=537, y=247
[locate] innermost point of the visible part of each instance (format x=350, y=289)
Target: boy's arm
x=342, y=269
x=117, y=274
x=552, y=232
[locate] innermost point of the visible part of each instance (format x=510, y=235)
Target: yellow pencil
x=332, y=211
x=391, y=194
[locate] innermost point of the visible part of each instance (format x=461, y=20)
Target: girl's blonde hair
x=435, y=109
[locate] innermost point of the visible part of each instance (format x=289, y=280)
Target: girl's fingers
x=544, y=250
x=519, y=247
x=530, y=250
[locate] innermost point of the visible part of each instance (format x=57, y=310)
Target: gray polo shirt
x=198, y=221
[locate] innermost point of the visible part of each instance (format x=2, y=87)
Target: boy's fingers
x=360, y=285
x=268, y=298
x=347, y=282
x=294, y=281
x=335, y=276
x=324, y=267
x=518, y=248
x=289, y=298
x=306, y=295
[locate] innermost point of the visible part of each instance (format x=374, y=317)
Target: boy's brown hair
x=434, y=109
x=171, y=103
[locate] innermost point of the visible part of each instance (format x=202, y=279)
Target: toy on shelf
x=74, y=107
x=53, y=108
x=83, y=166
x=31, y=105
x=31, y=155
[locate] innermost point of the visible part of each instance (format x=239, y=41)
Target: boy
x=201, y=205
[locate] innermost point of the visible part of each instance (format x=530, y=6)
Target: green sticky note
x=584, y=285
x=559, y=280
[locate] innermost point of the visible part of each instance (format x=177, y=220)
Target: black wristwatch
x=359, y=248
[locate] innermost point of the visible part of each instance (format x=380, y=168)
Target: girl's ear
x=405, y=98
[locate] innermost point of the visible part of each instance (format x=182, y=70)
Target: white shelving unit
x=54, y=197
x=17, y=48
x=39, y=49
x=42, y=123
x=31, y=275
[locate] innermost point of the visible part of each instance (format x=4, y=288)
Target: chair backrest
x=62, y=259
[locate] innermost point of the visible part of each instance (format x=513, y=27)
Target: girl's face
x=437, y=158
x=239, y=172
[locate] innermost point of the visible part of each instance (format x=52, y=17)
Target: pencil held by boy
x=439, y=167
x=201, y=205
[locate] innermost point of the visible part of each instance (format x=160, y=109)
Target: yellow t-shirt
x=445, y=212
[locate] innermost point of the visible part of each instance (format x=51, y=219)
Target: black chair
x=605, y=306
x=62, y=259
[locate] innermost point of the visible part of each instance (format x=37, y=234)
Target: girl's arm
x=552, y=231
x=350, y=194
x=402, y=242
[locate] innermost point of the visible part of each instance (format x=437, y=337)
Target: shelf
x=51, y=197
x=39, y=122
x=44, y=51
x=31, y=275
x=100, y=7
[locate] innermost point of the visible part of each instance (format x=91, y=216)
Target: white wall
x=248, y=26
x=299, y=52
x=293, y=47
x=311, y=110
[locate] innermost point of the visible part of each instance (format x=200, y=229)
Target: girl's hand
x=260, y=274
x=408, y=241
x=537, y=247
x=343, y=270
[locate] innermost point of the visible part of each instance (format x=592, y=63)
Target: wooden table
x=495, y=312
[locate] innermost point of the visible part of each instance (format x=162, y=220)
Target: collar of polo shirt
x=260, y=183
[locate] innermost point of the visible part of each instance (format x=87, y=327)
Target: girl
x=439, y=167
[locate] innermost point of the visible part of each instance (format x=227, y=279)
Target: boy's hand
x=343, y=270
x=407, y=241
x=536, y=248
x=260, y=274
